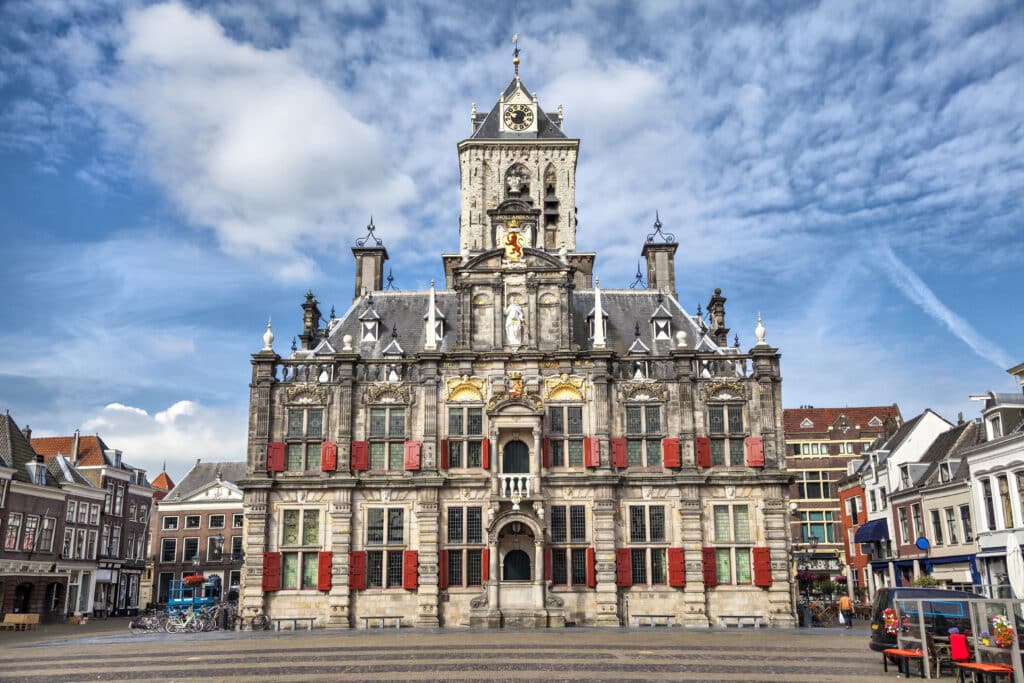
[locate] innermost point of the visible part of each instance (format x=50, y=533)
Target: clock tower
x=518, y=161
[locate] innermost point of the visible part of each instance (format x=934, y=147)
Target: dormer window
x=807, y=424
x=874, y=422
x=996, y=426
x=370, y=331
x=944, y=472
x=905, y=476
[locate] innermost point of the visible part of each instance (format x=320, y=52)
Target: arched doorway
x=515, y=458
x=517, y=566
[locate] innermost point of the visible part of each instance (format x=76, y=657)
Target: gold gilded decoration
x=530, y=401
x=515, y=384
x=513, y=242
x=725, y=390
x=387, y=393
x=563, y=388
x=464, y=388
x=305, y=393
x=643, y=390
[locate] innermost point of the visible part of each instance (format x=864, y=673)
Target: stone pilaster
x=604, y=555
x=427, y=514
x=776, y=530
x=254, y=507
x=340, y=518
x=691, y=531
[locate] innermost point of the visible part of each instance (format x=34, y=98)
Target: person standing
x=846, y=607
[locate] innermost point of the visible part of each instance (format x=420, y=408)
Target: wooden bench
x=19, y=622
x=903, y=658
x=739, y=619
x=653, y=619
x=988, y=671
x=294, y=621
x=382, y=621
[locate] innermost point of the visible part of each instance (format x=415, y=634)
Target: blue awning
x=875, y=530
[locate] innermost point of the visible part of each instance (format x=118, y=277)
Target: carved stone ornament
x=464, y=388
x=479, y=601
x=532, y=402
x=725, y=390
x=388, y=393
x=643, y=390
x=554, y=601
x=305, y=393
x=563, y=388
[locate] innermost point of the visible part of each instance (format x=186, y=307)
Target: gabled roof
x=948, y=447
x=824, y=418
x=203, y=474
x=64, y=472
x=163, y=482
x=488, y=126
x=90, y=449
x=16, y=451
x=901, y=434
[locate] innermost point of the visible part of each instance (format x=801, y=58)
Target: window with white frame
x=965, y=523
x=83, y=514
x=214, y=550
x=90, y=549
x=565, y=436
x=131, y=510
x=387, y=438
x=237, y=520
x=81, y=539
x=119, y=500
x=94, y=514
x=72, y=509
x=951, y=525
x=143, y=513
x=384, y=527
x=937, y=536
x=105, y=540
x=216, y=522
x=465, y=545
x=725, y=427
x=193, y=521
x=28, y=536
x=115, y=541
x=45, y=543
x=648, y=543
x=569, y=545
x=733, y=543
x=13, y=531
x=68, y=549
x=904, y=525
x=168, y=549
x=643, y=435
x=465, y=436
x=189, y=549
x=304, y=438
x=170, y=523
x=236, y=548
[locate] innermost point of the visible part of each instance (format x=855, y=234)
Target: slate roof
x=1012, y=399
x=901, y=434
x=16, y=451
x=63, y=471
x=403, y=312
x=204, y=473
x=489, y=127
x=824, y=418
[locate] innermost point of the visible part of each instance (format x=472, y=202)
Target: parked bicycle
x=148, y=622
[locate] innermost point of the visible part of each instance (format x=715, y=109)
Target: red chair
x=958, y=651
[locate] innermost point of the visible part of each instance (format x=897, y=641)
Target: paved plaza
x=106, y=653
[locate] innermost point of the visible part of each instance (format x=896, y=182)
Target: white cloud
x=244, y=140
x=176, y=436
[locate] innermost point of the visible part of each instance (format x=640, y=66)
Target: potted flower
x=1002, y=632
x=986, y=639
x=891, y=623
x=193, y=580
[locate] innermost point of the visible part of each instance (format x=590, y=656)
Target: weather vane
x=515, y=53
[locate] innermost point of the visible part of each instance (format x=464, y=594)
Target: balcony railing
x=515, y=487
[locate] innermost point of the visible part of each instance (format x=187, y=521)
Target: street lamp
x=195, y=570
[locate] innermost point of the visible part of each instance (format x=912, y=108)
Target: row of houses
x=938, y=499
x=74, y=525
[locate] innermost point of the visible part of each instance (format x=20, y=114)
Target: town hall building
x=517, y=446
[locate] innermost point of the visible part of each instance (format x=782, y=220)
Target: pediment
x=532, y=258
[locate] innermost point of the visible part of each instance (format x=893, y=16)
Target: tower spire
x=515, y=53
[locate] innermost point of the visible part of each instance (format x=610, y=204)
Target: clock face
x=518, y=116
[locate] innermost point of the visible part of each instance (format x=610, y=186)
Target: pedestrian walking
x=846, y=607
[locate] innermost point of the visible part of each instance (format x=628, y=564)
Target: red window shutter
x=357, y=570
x=707, y=556
x=410, y=570
x=323, y=576
x=444, y=454
x=549, y=573
x=591, y=452
x=442, y=569
x=591, y=569
x=485, y=454
x=755, y=451
x=412, y=455
x=329, y=456
x=670, y=453
x=619, y=456
x=275, y=456
x=762, y=567
x=360, y=456
x=271, y=572
x=485, y=563
x=547, y=453
x=703, y=445
x=676, y=568
x=623, y=569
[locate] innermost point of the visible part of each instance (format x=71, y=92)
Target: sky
x=173, y=174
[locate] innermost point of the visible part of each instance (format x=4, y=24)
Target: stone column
x=340, y=518
x=428, y=521
x=776, y=531
x=538, y=583
x=254, y=507
x=604, y=556
x=694, y=599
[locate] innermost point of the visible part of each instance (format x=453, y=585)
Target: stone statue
x=514, y=319
x=515, y=183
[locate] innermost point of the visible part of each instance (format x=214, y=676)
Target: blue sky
x=171, y=174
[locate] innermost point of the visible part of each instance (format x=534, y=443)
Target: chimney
x=27, y=431
x=74, y=448
x=310, y=321
x=661, y=260
x=370, y=257
x=716, y=310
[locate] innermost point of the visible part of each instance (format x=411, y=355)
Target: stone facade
x=520, y=447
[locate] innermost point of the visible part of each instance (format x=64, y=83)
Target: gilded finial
x=515, y=53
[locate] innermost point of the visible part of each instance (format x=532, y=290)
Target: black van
x=943, y=610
